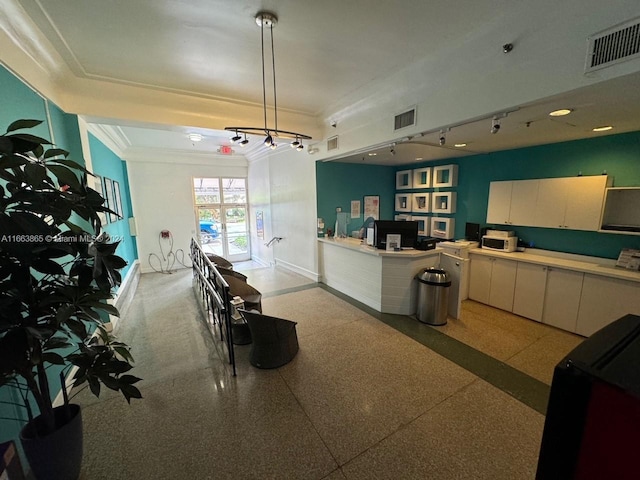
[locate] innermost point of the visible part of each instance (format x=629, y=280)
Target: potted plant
x=57, y=272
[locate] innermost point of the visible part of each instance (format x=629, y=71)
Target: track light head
x=273, y=146
x=295, y=143
x=495, y=125
x=235, y=138
x=269, y=140
x=300, y=147
x=245, y=141
x=443, y=139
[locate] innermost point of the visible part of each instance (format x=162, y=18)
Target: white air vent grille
x=404, y=119
x=613, y=46
x=332, y=143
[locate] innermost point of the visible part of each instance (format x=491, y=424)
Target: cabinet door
x=499, y=202
x=503, y=282
x=585, y=197
x=480, y=278
x=551, y=203
x=604, y=300
x=524, y=196
x=528, y=298
x=562, y=298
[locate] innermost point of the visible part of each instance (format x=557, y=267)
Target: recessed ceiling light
x=560, y=113
x=418, y=159
x=195, y=137
x=373, y=154
x=604, y=128
x=460, y=145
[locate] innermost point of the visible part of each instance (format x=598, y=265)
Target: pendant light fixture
x=268, y=20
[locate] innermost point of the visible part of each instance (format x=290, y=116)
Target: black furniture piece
x=275, y=340
x=592, y=428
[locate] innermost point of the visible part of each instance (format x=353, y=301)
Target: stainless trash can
x=433, y=296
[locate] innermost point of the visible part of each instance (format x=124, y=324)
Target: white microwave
x=502, y=244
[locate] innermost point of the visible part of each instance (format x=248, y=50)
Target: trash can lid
x=434, y=276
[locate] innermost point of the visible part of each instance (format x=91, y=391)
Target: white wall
x=162, y=197
x=292, y=177
x=260, y=201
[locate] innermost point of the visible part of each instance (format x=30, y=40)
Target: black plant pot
x=57, y=456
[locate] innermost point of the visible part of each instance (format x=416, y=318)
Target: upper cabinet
x=572, y=202
x=622, y=210
x=512, y=202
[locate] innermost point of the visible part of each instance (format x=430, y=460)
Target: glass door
x=221, y=213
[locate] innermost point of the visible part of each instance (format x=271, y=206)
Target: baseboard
x=299, y=270
x=124, y=296
x=262, y=262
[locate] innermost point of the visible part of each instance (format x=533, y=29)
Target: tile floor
x=369, y=396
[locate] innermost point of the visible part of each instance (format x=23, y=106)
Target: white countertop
x=593, y=265
x=357, y=245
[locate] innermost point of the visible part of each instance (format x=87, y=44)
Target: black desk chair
x=275, y=340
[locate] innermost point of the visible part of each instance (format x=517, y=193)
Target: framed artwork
x=259, y=225
x=372, y=207
x=117, y=199
x=108, y=190
x=99, y=187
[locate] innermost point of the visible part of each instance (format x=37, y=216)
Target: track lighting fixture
x=443, y=139
x=495, y=125
x=268, y=20
x=392, y=149
x=245, y=141
x=300, y=147
x=235, y=138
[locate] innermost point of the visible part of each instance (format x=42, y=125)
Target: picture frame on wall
x=99, y=187
x=108, y=190
x=117, y=199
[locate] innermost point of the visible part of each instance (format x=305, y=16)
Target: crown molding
x=112, y=136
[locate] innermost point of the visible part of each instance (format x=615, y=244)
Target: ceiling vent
x=405, y=119
x=615, y=45
x=332, y=143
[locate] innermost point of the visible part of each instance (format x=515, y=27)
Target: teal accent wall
x=337, y=184
x=618, y=155
x=19, y=101
x=107, y=164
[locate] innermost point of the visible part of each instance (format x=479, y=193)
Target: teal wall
x=618, y=155
x=340, y=183
x=18, y=101
x=107, y=164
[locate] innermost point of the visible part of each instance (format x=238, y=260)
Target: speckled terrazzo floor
x=368, y=396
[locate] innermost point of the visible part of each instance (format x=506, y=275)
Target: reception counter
x=382, y=280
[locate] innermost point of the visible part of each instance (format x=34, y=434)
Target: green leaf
x=129, y=392
x=20, y=124
x=70, y=164
x=65, y=176
x=54, y=152
x=27, y=137
x=44, y=265
x=53, y=358
x=129, y=379
x=12, y=161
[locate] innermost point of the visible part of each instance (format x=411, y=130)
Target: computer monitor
x=408, y=232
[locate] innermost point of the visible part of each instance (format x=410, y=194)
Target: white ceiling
x=325, y=52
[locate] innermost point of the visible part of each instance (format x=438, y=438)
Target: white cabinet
x=604, y=300
x=480, y=278
x=492, y=281
x=570, y=202
x=512, y=202
x=562, y=298
x=573, y=202
x=499, y=202
x=503, y=282
x=528, y=298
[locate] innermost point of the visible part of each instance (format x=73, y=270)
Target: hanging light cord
x=273, y=64
x=264, y=83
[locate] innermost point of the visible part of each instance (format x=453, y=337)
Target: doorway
x=222, y=217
